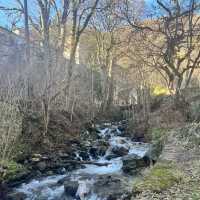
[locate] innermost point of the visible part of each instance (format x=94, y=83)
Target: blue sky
x=5, y=21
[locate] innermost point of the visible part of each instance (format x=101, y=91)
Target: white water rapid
x=47, y=188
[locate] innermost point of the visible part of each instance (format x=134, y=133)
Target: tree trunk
x=110, y=94
x=72, y=62
x=27, y=33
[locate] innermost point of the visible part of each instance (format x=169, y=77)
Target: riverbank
x=176, y=175
x=111, y=153
x=110, y=162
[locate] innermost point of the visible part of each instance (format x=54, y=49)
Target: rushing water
x=48, y=188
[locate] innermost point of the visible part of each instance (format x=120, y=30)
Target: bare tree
x=106, y=30
x=82, y=12
x=173, y=40
x=27, y=33
x=10, y=120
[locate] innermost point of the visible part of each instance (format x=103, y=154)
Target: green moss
x=158, y=137
x=196, y=195
x=158, y=133
x=161, y=177
x=12, y=170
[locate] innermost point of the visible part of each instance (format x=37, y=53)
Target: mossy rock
x=161, y=177
x=159, y=136
x=12, y=171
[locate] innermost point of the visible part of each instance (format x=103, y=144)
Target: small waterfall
x=48, y=188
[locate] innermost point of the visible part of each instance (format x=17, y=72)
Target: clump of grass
x=161, y=177
x=158, y=133
x=195, y=195
x=189, y=136
x=159, y=136
x=11, y=170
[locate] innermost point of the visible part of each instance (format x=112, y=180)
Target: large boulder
x=112, y=187
x=133, y=163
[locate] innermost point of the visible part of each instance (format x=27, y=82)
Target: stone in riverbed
x=111, y=156
x=71, y=188
x=41, y=165
x=122, y=127
x=99, y=149
x=84, y=155
x=112, y=187
x=16, y=196
x=133, y=163
x=120, y=151
x=107, y=137
x=94, y=152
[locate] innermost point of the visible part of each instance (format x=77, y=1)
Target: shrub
x=10, y=129
x=11, y=170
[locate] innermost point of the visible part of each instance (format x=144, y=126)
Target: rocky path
x=174, y=151
x=187, y=160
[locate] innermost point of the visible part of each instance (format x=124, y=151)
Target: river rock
x=122, y=127
x=102, y=145
x=111, y=156
x=41, y=165
x=84, y=155
x=133, y=163
x=94, y=152
x=3, y=190
x=113, y=130
x=19, y=178
x=84, y=189
x=71, y=188
x=99, y=148
x=64, y=180
x=63, y=155
x=112, y=187
x=16, y=196
x=120, y=151
x=107, y=137
x=156, y=150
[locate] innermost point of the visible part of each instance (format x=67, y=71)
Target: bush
x=158, y=137
x=10, y=129
x=11, y=170
x=189, y=136
x=195, y=111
